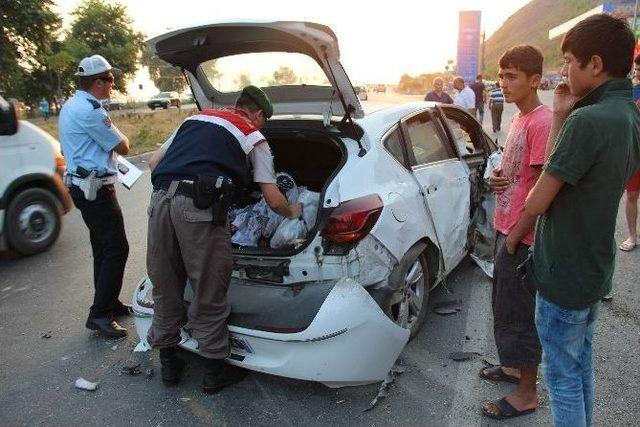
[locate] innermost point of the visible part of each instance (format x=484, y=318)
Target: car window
x=426, y=144
x=393, y=144
x=465, y=138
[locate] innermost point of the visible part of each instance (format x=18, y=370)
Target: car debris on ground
x=83, y=384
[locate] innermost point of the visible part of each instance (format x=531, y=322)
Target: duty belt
x=184, y=187
x=106, y=180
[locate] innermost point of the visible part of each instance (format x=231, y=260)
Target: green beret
x=260, y=98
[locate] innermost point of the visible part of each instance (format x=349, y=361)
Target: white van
x=33, y=197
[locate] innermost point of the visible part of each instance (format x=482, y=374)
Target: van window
x=425, y=142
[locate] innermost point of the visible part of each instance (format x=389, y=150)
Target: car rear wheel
x=34, y=220
x=165, y=106
x=152, y=108
x=407, y=306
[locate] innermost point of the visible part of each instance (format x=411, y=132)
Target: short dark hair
x=606, y=36
x=246, y=102
x=479, y=77
x=637, y=60
x=525, y=58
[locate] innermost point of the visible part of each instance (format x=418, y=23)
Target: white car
x=402, y=201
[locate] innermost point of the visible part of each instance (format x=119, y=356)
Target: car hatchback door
x=444, y=181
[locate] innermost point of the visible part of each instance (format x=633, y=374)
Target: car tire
x=34, y=221
x=165, y=106
x=153, y=108
x=411, y=281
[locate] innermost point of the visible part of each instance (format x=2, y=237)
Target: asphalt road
x=50, y=293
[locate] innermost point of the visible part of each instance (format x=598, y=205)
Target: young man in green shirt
x=594, y=147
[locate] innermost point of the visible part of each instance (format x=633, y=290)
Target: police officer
x=90, y=142
x=185, y=243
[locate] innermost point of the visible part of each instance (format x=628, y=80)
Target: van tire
x=413, y=261
x=33, y=221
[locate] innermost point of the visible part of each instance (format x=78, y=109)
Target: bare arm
x=123, y=147
x=542, y=194
x=156, y=157
x=277, y=202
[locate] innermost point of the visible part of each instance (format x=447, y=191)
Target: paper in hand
x=128, y=174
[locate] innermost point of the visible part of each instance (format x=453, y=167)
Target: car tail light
x=352, y=220
x=61, y=165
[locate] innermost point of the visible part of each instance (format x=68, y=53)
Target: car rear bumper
x=349, y=342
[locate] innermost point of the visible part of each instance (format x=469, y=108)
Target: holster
x=215, y=193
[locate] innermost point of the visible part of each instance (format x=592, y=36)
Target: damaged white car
x=402, y=200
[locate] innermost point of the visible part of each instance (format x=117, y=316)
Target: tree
x=283, y=76
x=105, y=29
x=29, y=31
x=165, y=76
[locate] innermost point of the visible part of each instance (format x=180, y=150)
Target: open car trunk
x=312, y=158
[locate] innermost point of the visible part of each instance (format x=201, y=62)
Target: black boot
x=171, y=365
x=219, y=375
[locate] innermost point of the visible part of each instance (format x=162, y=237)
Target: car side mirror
x=8, y=117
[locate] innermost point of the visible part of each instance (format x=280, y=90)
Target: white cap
x=96, y=64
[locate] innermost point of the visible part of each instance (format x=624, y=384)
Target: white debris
x=83, y=384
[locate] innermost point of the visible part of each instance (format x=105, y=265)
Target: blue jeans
x=567, y=336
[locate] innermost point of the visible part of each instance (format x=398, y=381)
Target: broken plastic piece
x=383, y=392
x=83, y=384
x=132, y=369
x=459, y=356
x=448, y=307
x=46, y=335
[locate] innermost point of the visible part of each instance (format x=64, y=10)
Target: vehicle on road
x=380, y=88
x=115, y=102
x=402, y=201
x=33, y=197
x=164, y=100
x=361, y=92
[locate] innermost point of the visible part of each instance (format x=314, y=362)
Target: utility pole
x=482, y=54
x=635, y=17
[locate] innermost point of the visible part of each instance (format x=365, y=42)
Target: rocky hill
x=531, y=25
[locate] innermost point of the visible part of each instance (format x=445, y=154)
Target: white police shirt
x=87, y=136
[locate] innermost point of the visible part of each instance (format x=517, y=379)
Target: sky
x=377, y=43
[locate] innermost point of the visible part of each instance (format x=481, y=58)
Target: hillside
x=531, y=25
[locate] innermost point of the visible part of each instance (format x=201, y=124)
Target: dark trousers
x=103, y=218
x=496, y=115
x=513, y=302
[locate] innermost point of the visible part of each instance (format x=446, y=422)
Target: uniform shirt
x=259, y=152
x=597, y=151
x=87, y=136
x=465, y=98
x=524, y=149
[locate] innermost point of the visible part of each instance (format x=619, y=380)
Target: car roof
x=380, y=121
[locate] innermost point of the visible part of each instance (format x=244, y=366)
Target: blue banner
x=468, y=45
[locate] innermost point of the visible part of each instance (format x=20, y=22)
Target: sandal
x=495, y=373
x=627, y=246
x=505, y=410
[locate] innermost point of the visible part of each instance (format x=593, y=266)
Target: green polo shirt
x=597, y=151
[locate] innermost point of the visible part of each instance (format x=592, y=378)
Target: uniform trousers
x=103, y=218
x=183, y=244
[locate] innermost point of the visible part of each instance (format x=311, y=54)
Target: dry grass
x=146, y=131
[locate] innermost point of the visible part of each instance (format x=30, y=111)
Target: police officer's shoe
x=122, y=309
x=171, y=365
x=220, y=375
x=106, y=326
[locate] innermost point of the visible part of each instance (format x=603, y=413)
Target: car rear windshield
x=264, y=69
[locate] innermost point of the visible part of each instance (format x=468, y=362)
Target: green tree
x=283, y=76
x=165, y=76
x=106, y=29
x=29, y=31
x=242, y=81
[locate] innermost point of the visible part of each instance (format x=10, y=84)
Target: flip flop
x=495, y=373
x=627, y=246
x=505, y=410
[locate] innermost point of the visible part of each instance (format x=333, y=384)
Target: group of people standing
x=557, y=189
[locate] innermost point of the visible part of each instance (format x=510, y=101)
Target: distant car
x=116, y=102
x=361, y=92
x=165, y=100
x=380, y=89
